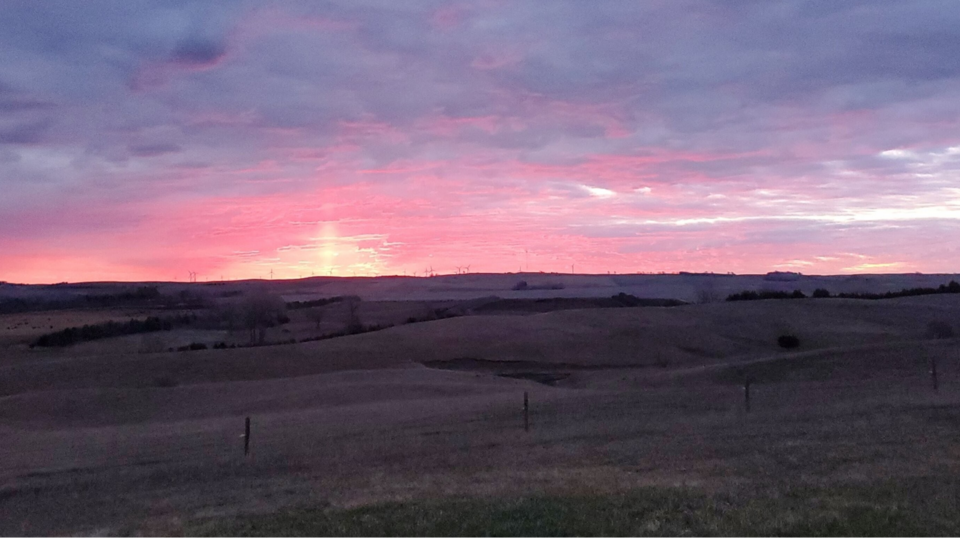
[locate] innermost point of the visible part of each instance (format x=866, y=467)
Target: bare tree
x=316, y=315
x=261, y=311
x=229, y=314
x=352, y=304
x=707, y=293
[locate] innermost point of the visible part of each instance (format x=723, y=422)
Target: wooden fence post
x=526, y=412
x=933, y=375
x=246, y=437
x=746, y=393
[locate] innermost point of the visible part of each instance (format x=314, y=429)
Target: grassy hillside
x=355, y=435
x=638, y=337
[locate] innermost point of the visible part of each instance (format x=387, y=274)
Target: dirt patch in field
x=548, y=373
x=544, y=305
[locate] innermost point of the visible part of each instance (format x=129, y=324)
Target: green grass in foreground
x=916, y=507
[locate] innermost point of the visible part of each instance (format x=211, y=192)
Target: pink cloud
x=447, y=18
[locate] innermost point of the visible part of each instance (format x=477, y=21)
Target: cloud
x=198, y=53
x=14, y=105
x=691, y=131
x=151, y=150
x=24, y=133
x=600, y=193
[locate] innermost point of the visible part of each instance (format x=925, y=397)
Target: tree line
x=951, y=288
x=90, y=332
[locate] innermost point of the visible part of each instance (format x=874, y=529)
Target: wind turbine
x=458, y=270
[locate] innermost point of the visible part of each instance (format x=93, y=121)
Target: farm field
x=637, y=418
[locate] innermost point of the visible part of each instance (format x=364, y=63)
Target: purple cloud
x=622, y=121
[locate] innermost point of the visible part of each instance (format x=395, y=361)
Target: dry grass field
x=637, y=424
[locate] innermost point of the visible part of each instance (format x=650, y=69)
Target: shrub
x=765, y=295
x=951, y=288
x=165, y=382
x=313, y=303
x=788, y=341
x=821, y=293
x=521, y=286
x=939, y=330
x=197, y=346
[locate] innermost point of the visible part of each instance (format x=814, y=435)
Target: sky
x=145, y=140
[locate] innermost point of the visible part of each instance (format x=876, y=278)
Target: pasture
x=637, y=424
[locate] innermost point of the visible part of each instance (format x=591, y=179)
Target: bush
x=765, y=295
x=313, y=303
x=939, y=330
x=165, y=382
x=788, y=341
x=951, y=288
x=521, y=286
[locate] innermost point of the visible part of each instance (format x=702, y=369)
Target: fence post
x=526, y=412
x=933, y=374
x=746, y=393
x=246, y=437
